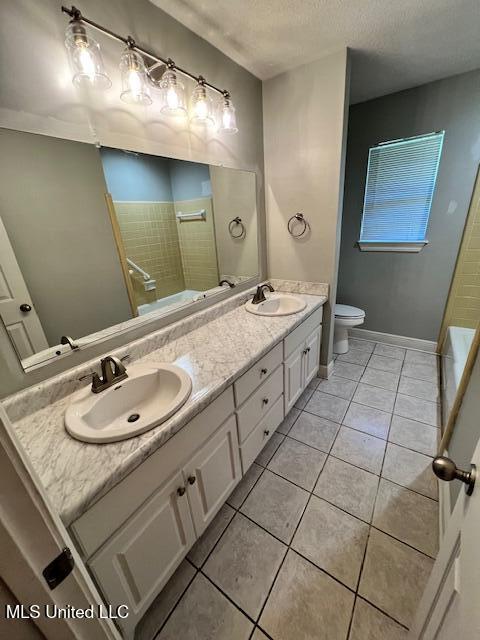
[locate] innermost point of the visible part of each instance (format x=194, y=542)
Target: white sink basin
x=149, y=396
x=277, y=304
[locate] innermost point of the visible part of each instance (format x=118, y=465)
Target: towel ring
x=299, y=217
x=235, y=223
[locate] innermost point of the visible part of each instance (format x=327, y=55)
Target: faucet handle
x=125, y=358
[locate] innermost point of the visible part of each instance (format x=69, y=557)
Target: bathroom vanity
x=135, y=508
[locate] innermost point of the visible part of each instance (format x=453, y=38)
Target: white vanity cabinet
x=137, y=534
x=302, y=356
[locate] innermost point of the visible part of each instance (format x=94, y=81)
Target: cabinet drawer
x=258, y=405
x=112, y=510
x=260, y=371
x=301, y=333
x=261, y=434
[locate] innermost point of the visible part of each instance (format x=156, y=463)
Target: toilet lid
x=345, y=311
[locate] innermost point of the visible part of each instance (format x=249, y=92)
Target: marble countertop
x=76, y=474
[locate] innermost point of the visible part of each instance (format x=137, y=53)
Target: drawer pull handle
x=266, y=432
x=305, y=352
x=192, y=479
x=264, y=372
x=308, y=349
x=181, y=491
x=265, y=401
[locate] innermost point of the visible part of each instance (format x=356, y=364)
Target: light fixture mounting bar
x=76, y=14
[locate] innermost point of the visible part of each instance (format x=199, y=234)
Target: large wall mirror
x=91, y=239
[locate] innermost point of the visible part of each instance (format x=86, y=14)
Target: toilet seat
x=346, y=311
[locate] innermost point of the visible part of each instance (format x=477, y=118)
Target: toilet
x=345, y=317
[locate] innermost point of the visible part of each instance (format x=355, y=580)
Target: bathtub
x=170, y=302
x=454, y=356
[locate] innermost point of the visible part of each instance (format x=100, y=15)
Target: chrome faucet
x=259, y=295
x=113, y=371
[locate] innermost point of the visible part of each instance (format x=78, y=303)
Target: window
x=401, y=178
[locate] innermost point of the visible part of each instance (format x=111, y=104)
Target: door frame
x=24, y=509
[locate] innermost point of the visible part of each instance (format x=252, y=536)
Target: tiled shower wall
x=150, y=237
x=463, y=308
x=197, y=245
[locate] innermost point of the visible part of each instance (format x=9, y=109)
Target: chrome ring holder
x=237, y=222
x=297, y=217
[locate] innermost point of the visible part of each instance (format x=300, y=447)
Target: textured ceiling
x=396, y=43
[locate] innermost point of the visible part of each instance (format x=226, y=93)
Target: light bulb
x=173, y=94
x=85, y=58
x=201, y=111
x=135, y=89
x=228, y=120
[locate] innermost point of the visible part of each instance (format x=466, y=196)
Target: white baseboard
x=325, y=371
x=398, y=341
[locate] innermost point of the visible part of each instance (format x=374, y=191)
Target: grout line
x=310, y=494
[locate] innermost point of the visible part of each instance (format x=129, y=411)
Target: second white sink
x=277, y=304
x=149, y=396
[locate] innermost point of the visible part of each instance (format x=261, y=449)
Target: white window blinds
x=401, y=180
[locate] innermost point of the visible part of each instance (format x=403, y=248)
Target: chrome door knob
x=446, y=469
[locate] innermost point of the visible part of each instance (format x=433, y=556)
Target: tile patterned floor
x=332, y=533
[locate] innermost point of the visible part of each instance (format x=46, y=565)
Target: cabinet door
x=212, y=473
x=312, y=355
x=137, y=562
x=294, y=375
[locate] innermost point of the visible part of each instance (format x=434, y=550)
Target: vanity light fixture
x=173, y=93
x=135, y=89
x=136, y=67
x=85, y=56
x=227, y=118
x=202, y=106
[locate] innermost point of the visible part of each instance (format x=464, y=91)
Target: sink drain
x=133, y=418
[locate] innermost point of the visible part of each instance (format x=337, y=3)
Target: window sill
x=396, y=247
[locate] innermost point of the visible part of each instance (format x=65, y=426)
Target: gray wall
x=405, y=294
x=40, y=98
x=52, y=202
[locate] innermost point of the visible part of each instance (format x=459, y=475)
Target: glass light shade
x=201, y=111
x=135, y=89
x=173, y=95
x=85, y=58
x=227, y=118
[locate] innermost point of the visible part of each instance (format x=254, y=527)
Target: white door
x=23, y=326
x=135, y=564
x=450, y=606
x=212, y=474
x=312, y=355
x=294, y=377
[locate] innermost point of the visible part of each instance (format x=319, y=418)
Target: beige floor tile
x=276, y=504
x=393, y=365
x=419, y=389
x=333, y=540
x=368, y=419
x=418, y=409
x=200, y=550
x=327, y=406
x=244, y=564
x=340, y=387
x=362, y=345
x=359, y=449
x=414, y=435
x=407, y=516
x=298, y=463
x=389, y=351
x=204, y=612
x=382, y=379
x=411, y=470
x=348, y=370
x=306, y=604
x=427, y=372
x=163, y=604
x=394, y=576
x=371, y=624
x=348, y=487
x=374, y=397
x=355, y=356
x=314, y=431
x=420, y=357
